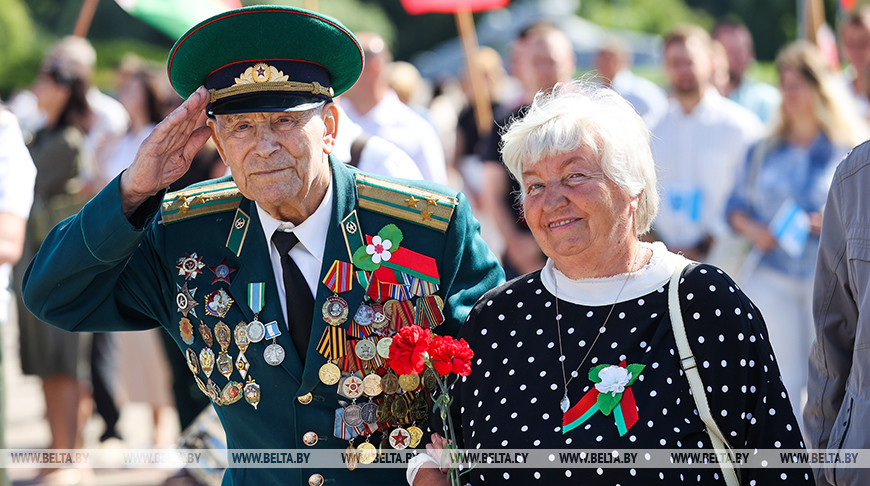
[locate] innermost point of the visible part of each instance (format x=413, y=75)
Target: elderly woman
x=591, y=330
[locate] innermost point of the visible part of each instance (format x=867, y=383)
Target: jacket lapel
x=343, y=202
x=255, y=266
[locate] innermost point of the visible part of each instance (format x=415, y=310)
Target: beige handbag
x=687, y=361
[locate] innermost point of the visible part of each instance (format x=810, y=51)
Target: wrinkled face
x=688, y=65
x=797, y=94
x=576, y=213
x=277, y=158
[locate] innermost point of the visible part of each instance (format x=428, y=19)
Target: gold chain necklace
x=565, y=404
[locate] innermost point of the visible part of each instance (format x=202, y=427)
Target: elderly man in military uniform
x=283, y=284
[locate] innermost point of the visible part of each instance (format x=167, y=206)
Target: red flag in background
x=417, y=7
x=847, y=5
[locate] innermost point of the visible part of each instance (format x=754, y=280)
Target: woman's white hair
x=583, y=115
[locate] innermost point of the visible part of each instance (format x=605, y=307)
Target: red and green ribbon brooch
x=611, y=393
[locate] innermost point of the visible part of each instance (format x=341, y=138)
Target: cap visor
x=264, y=102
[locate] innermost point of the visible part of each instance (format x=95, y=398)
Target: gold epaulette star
x=412, y=202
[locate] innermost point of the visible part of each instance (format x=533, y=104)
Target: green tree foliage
x=17, y=49
x=653, y=16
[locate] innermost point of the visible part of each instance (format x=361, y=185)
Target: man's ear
x=330, y=121
x=212, y=123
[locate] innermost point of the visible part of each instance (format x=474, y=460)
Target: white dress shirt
x=308, y=253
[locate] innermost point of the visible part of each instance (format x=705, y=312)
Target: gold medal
x=335, y=310
x=416, y=436
x=409, y=382
x=192, y=361
x=430, y=381
x=399, y=409
x=200, y=385
x=419, y=409
x=384, y=347
x=206, y=360
x=390, y=383
x=365, y=349
x=367, y=452
x=223, y=335
x=329, y=374
x=351, y=458
x=372, y=385
x=384, y=412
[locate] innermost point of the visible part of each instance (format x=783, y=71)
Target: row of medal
x=356, y=364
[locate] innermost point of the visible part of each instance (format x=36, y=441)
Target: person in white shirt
x=613, y=62
x=373, y=105
x=855, y=41
x=698, y=147
x=17, y=176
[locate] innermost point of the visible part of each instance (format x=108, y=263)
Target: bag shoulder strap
x=688, y=363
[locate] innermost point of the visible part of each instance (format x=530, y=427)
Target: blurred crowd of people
x=744, y=169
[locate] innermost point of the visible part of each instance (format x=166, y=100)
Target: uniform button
x=309, y=439
x=305, y=399
x=315, y=480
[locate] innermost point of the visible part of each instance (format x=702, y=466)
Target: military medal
x=350, y=457
x=232, y=392
x=189, y=266
x=222, y=272
x=218, y=303
x=369, y=412
x=390, y=383
x=329, y=373
x=224, y=361
x=367, y=452
x=419, y=409
x=338, y=279
x=384, y=413
x=214, y=392
x=185, y=327
x=205, y=332
x=206, y=360
x=353, y=415
x=256, y=301
x=399, y=438
x=430, y=381
x=372, y=385
x=409, y=382
x=384, y=347
x=335, y=310
x=399, y=408
x=364, y=315
x=365, y=349
x=185, y=301
x=351, y=386
x=416, y=435
x=200, y=385
x=192, y=361
x=252, y=392
x=241, y=335
x=379, y=317
x=274, y=353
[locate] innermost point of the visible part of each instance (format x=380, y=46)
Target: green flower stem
x=444, y=402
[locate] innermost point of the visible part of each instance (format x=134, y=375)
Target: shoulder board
x=198, y=201
x=413, y=204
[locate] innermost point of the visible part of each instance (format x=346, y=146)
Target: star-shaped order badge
x=611, y=394
x=189, y=266
x=222, y=272
x=185, y=301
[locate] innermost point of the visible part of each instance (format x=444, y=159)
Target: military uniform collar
x=311, y=232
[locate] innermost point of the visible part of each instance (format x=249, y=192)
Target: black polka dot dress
x=511, y=398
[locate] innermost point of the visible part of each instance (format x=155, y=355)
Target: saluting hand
x=167, y=153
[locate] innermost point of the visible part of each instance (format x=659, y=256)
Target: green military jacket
x=97, y=271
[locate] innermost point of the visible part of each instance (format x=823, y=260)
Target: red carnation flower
x=406, y=351
x=450, y=355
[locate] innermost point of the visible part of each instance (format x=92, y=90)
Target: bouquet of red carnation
x=413, y=350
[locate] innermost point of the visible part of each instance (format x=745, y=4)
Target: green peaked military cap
x=266, y=58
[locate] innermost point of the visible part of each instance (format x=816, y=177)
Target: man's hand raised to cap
x=167, y=153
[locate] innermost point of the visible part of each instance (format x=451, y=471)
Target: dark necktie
x=300, y=302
